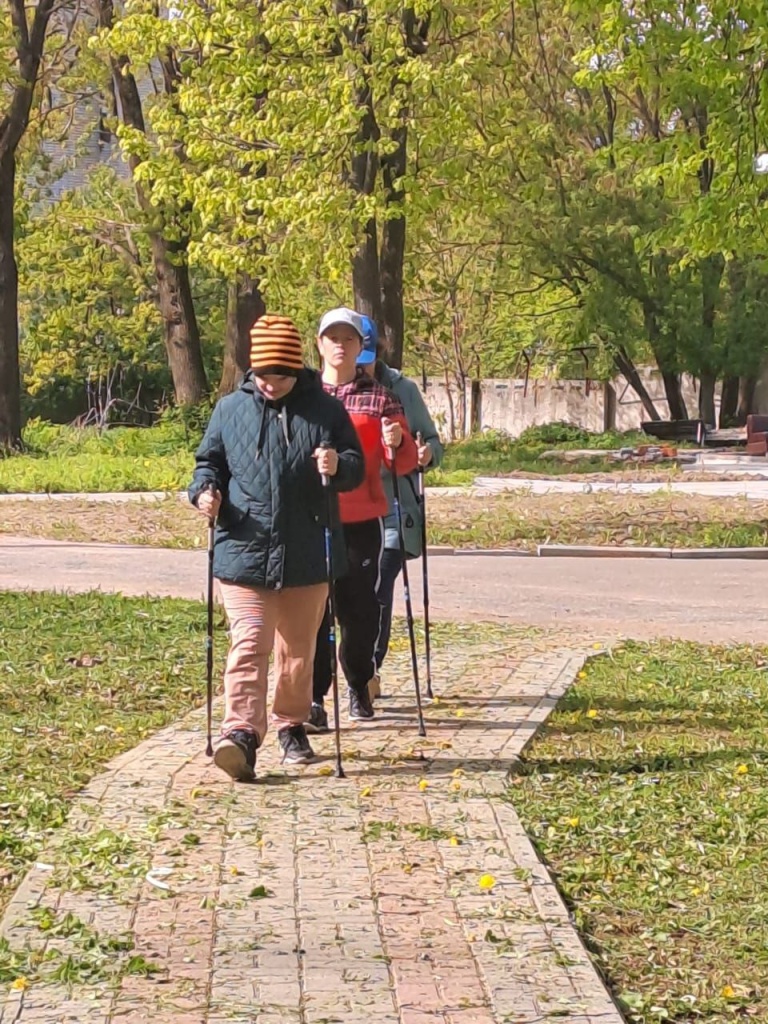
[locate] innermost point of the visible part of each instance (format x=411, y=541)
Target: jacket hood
x=307, y=380
x=389, y=375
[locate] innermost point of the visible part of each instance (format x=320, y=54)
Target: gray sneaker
x=295, y=745
x=317, y=720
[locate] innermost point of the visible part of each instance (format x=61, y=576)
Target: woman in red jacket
x=381, y=427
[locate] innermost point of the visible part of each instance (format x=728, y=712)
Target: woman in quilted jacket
x=258, y=472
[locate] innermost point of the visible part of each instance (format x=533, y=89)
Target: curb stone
x=602, y=551
x=589, y=551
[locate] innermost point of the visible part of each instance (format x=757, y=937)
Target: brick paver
x=305, y=899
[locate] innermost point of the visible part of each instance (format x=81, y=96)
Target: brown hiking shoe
x=374, y=687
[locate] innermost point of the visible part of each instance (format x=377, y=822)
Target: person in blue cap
x=430, y=453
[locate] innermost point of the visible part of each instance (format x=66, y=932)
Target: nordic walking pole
x=332, y=619
x=209, y=636
x=425, y=572
x=407, y=589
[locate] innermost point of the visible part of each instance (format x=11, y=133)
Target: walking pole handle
x=326, y=480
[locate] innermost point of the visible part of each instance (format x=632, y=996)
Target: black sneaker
x=236, y=755
x=296, y=748
x=317, y=720
x=360, y=706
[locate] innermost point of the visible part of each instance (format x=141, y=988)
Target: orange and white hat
x=276, y=346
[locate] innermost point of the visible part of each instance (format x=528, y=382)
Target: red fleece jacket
x=368, y=403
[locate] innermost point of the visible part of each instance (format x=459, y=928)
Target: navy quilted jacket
x=259, y=455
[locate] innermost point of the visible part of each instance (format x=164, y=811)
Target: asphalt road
x=707, y=600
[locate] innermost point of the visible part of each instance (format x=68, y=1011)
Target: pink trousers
x=259, y=620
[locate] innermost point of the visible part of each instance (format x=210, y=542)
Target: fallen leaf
x=84, y=661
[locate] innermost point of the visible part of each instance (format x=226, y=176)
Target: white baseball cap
x=342, y=315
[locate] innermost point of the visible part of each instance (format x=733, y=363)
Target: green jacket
x=270, y=529
x=420, y=422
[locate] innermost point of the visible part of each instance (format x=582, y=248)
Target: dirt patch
x=515, y=521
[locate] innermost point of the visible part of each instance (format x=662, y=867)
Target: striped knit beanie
x=276, y=347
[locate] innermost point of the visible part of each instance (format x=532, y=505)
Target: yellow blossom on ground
x=728, y=992
x=591, y=713
x=19, y=984
x=582, y=675
x=455, y=786
x=325, y=770
x=573, y=822
x=366, y=791
x=234, y=870
x=458, y=772
x=597, y=647
x=423, y=784
x=742, y=769
x=454, y=841
x=486, y=882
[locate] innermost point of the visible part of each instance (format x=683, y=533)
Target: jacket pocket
x=234, y=506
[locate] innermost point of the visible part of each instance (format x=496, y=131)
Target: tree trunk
x=10, y=385
x=711, y=277
x=674, y=393
x=625, y=366
x=363, y=168
x=671, y=380
x=707, y=413
x=365, y=274
x=174, y=292
x=393, y=168
x=745, y=407
x=729, y=400
x=23, y=58
x=182, y=337
x=245, y=305
x=451, y=409
x=415, y=30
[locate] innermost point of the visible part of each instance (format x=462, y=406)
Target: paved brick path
x=310, y=900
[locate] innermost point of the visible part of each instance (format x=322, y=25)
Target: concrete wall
x=510, y=406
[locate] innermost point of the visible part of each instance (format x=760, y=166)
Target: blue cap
x=370, y=342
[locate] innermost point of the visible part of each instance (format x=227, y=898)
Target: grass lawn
x=63, y=459
x=519, y=521
x=82, y=679
x=647, y=794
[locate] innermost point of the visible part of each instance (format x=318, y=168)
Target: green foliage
x=495, y=452
x=578, y=181
x=62, y=459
